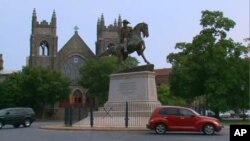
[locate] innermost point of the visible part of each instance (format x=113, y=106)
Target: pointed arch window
x=44, y=48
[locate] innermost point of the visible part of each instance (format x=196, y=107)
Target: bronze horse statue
x=135, y=43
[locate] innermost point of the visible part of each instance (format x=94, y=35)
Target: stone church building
x=73, y=55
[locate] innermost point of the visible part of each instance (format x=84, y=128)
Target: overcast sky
x=170, y=21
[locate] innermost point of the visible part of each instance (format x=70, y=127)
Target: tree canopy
x=212, y=65
x=167, y=98
x=34, y=87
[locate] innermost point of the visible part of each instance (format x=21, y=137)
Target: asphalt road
x=33, y=133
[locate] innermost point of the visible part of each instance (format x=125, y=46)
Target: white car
x=227, y=114
x=247, y=114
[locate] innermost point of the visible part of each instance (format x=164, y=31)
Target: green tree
x=95, y=75
x=35, y=87
x=166, y=98
x=46, y=86
x=211, y=65
x=11, y=90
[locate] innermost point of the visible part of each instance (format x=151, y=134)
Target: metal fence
x=125, y=114
x=74, y=114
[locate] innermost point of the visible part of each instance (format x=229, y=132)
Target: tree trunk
x=217, y=114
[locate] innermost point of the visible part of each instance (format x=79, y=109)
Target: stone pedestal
x=133, y=86
x=136, y=88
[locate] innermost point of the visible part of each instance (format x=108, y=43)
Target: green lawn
x=235, y=121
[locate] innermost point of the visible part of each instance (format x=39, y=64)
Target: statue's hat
x=126, y=22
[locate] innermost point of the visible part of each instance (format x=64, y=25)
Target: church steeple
x=115, y=23
x=34, y=18
x=53, y=19
x=119, y=21
x=102, y=22
x=98, y=21
x=34, y=13
x=54, y=14
x=98, y=26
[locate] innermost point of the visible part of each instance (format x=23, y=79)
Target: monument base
x=136, y=88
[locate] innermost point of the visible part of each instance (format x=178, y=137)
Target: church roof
x=76, y=45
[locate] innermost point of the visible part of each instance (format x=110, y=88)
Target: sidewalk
x=62, y=127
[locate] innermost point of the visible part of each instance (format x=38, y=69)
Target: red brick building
x=162, y=76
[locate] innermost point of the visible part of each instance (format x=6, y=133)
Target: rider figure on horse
x=125, y=34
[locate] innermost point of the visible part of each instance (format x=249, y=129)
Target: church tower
x=43, y=42
x=107, y=34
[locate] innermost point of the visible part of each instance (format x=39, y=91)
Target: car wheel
x=1, y=124
x=27, y=123
x=208, y=129
x=16, y=125
x=160, y=128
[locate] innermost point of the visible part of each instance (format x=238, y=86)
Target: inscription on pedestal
x=133, y=86
x=127, y=88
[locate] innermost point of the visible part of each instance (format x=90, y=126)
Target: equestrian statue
x=130, y=41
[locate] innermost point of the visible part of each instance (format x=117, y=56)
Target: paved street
x=33, y=133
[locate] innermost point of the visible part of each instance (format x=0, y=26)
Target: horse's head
x=142, y=27
x=145, y=30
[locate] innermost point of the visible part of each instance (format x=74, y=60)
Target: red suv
x=175, y=118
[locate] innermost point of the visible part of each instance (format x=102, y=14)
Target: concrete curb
x=62, y=127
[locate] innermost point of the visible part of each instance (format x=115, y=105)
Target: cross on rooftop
x=76, y=28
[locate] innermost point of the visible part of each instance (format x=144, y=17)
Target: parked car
x=176, y=118
x=210, y=113
x=227, y=114
x=246, y=114
x=17, y=117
